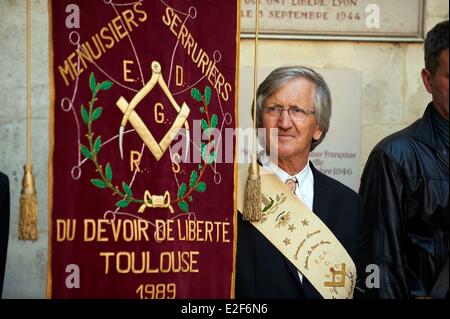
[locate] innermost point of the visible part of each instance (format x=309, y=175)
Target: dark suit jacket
x=4, y=225
x=262, y=272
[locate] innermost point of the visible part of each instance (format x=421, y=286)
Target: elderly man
x=294, y=106
x=405, y=191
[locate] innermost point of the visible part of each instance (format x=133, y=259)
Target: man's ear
x=426, y=78
x=318, y=133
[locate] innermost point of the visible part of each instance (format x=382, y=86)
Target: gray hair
x=279, y=77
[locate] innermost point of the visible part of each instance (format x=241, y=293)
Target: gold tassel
x=252, y=200
x=252, y=197
x=28, y=199
x=28, y=207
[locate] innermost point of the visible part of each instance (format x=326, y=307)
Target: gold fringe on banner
x=28, y=198
x=252, y=200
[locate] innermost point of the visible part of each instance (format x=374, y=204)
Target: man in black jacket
x=405, y=191
x=4, y=225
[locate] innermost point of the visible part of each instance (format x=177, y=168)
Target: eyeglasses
x=296, y=112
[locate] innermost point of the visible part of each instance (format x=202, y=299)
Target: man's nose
x=285, y=121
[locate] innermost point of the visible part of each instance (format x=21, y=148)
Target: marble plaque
x=372, y=20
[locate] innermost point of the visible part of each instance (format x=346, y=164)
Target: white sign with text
x=331, y=18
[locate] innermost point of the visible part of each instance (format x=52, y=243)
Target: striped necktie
x=291, y=182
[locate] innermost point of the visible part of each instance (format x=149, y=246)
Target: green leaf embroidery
x=97, y=144
x=201, y=187
x=85, y=151
x=204, y=124
x=84, y=114
x=98, y=183
x=97, y=113
x=190, y=198
x=184, y=206
x=196, y=95
x=211, y=158
x=202, y=110
x=204, y=151
x=268, y=206
x=193, y=179
x=106, y=85
x=122, y=203
x=207, y=95
x=182, y=190
x=92, y=83
x=206, y=155
x=108, y=172
x=214, y=121
x=207, y=133
x=127, y=189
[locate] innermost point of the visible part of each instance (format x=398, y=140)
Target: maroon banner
x=142, y=180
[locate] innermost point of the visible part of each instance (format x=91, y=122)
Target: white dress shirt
x=305, y=186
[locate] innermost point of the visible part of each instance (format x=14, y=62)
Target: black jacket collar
x=426, y=133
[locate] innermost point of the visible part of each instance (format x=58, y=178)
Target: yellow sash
x=302, y=237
